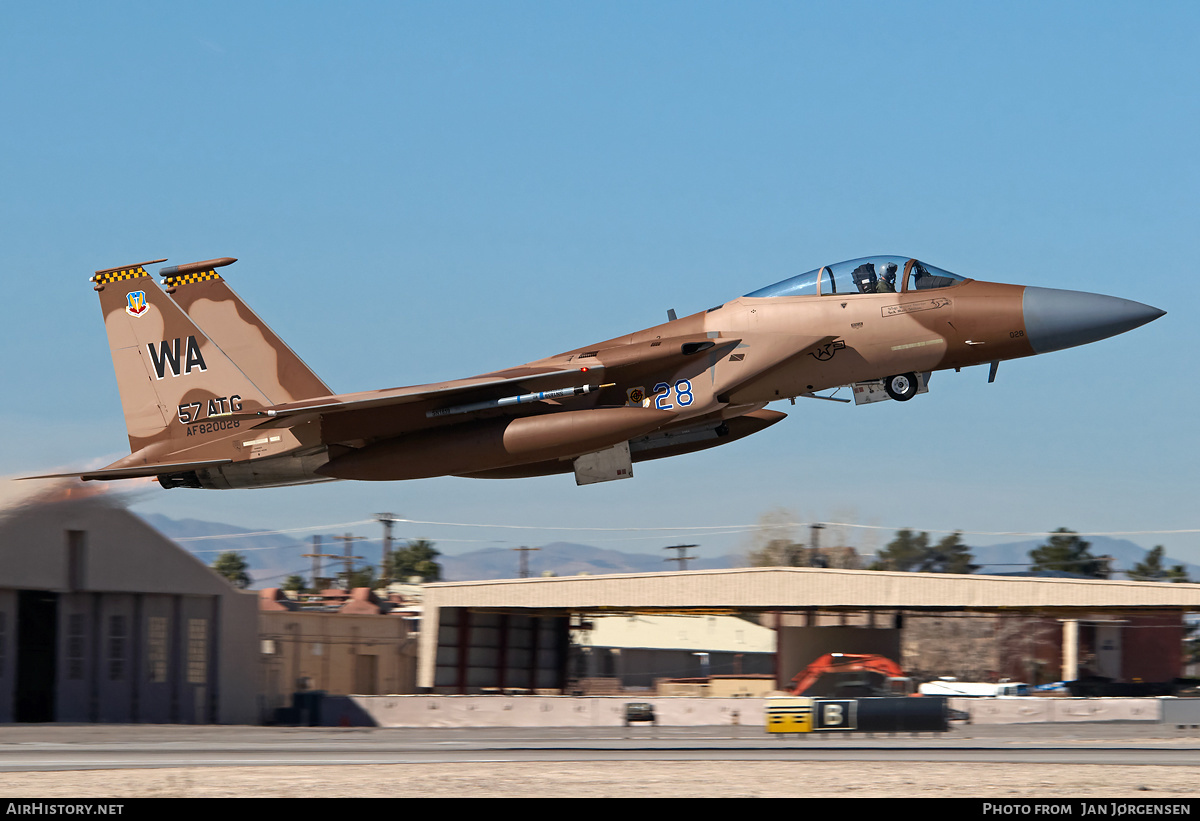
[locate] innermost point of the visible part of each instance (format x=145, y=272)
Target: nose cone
x=1063, y=319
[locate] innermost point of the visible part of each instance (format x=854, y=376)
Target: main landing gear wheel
x=901, y=387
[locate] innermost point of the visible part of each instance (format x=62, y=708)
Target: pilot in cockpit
x=887, y=282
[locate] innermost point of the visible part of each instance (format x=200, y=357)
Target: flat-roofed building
x=497, y=634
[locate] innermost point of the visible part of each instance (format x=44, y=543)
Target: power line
x=270, y=532
x=752, y=527
x=729, y=529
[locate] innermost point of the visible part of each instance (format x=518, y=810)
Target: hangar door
x=481, y=651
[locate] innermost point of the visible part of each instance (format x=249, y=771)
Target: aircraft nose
x=1057, y=319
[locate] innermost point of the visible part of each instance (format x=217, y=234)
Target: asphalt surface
x=47, y=748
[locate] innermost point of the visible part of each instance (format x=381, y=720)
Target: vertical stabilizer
x=265, y=358
x=174, y=381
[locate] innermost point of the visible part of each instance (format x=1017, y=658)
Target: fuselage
x=688, y=384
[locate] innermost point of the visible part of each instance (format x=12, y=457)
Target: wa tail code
x=168, y=356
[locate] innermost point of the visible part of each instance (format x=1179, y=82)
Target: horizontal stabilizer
x=134, y=471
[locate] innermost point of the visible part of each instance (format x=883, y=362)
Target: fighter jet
x=214, y=399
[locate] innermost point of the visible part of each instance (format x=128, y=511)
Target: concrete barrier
x=1058, y=710
x=532, y=711
x=609, y=711
x=1005, y=710
x=1106, y=709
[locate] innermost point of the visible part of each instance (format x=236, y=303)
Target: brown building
x=341, y=643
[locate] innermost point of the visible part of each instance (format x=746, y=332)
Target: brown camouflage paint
x=265, y=358
x=187, y=402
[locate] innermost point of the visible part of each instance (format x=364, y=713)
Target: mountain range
x=275, y=556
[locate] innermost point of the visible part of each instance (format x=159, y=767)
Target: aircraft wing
x=449, y=391
x=624, y=362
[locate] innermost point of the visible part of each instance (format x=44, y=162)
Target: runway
x=1135, y=761
x=49, y=748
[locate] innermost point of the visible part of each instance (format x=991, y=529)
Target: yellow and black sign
x=789, y=715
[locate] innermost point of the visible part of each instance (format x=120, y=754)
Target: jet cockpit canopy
x=866, y=275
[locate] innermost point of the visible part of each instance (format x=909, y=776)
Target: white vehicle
x=979, y=689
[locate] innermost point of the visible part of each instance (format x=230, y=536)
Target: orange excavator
x=849, y=675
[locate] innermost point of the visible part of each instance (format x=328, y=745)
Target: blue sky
x=421, y=191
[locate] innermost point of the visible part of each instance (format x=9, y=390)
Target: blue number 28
x=683, y=394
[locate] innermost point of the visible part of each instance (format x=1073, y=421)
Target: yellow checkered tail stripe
x=189, y=279
x=105, y=277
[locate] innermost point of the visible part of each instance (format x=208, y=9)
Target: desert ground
x=620, y=779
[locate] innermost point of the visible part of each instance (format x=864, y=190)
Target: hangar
x=103, y=619
x=483, y=636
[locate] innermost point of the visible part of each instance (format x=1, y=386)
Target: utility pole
x=682, y=558
x=347, y=559
x=523, y=573
x=387, y=520
x=817, y=559
x=316, y=556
